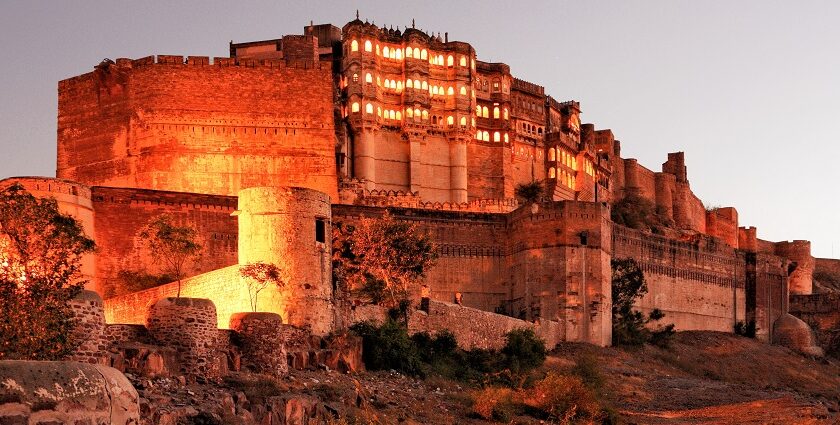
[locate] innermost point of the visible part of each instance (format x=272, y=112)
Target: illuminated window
x=463, y=91
x=425, y=115
x=425, y=86
x=463, y=61
x=478, y=110
x=399, y=116
x=379, y=112
x=478, y=135
x=472, y=64
x=368, y=78
x=355, y=107
x=409, y=84
x=369, y=108
x=506, y=113
x=386, y=51
x=368, y=46
x=450, y=120
x=551, y=173
x=497, y=137
x=409, y=113
x=440, y=60
x=377, y=50
x=506, y=138
x=417, y=84
x=434, y=90
x=387, y=83
x=551, y=154
x=485, y=112
x=463, y=121
x=378, y=81
x=424, y=54
x=399, y=86
x=485, y=135
x=417, y=53
x=398, y=54
x=355, y=78
x=451, y=91
x=416, y=113
x=450, y=61
x=496, y=112
x=354, y=46
x=408, y=52
x=392, y=115
x=574, y=164
x=473, y=121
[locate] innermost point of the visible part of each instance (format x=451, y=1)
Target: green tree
x=40, y=262
x=530, y=192
x=172, y=246
x=629, y=326
x=259, y=276
x=381, y=259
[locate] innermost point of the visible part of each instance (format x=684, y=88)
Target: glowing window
x=478, y=135
x=473, y=121
x=417, y=53
x=551, y=173
x=399, y=116
x=399, y=86
x=417, y=84
x=355, y=107
x=450, y=61
x=368, y=78
x=506, y=138
x=377, y=50
x=355, y=78
x=386, y=51
x=424, y=54
x=551, y=154
x=478, y=110
x=369, y=108
x=434, y=90
x=497, y=137
x=354, y=46
x=463, y=61
x=451, y=91
x=368, y=46
x=416, y=113
x=496, y=112
x=387, y=83
x=505, y=113
x=574, y=164
x=399, y=54
x=485, y=112
x=463, y=91
x=409, y=84
x=472, y=64
x=425, y=86
x=425, y=115
x=378, y=81
x=450, y=120
x=485, y=135
x=408, y=52
x=440, y=60
x=464, y=121
x=409, y=113
x=392, y=114
x=379, y=111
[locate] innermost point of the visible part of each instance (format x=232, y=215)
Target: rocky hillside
x=703, y=378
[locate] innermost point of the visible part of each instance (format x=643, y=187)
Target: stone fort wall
x=189, y=125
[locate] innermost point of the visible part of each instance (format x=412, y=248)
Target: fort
x=264, y=150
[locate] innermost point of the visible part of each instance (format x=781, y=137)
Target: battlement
x=49, y=185
x=528, y=87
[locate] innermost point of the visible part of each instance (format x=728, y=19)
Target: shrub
x=494, y=404
x=745, y=329
x=388, y=347
x=640, y=213
x=530, y=192
x=629, y=326
x=523, y=350
x=564, y=399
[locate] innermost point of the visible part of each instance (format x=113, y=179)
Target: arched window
x=425, y=86
x=417, y=53
x=379, y=111
x=451, y=91
x=409, y=113
x=450, y=120
x=472, y=64
x=478, y=110
x=425, y=115
x=386, y=51
x=539, y=130
x=463, y=91
x=485, y=112
x=378, y=81
x=472, y=120
x=506, y=138
x=551, y=154
x=424, y=54
x=399, y=54
x=377, y=50
x=478, y=135
x=392, y=114
x=417, y=84
x=387, y=83
x=505, y=113
x=354, y=107
x=450, y=61
x=369, y=108
x=552, y=173
x=368, y=46
x=463, y=121
x=399, y=86
x=354, y=46
x=440, y=60
x=434, y=90
x=355, y=78
x=485, y=135
x=399, y=116
x=496, y=112
x=463, y=61
x=497, y=137
x=409, y=52
x=409, y=84
x=368, y=78
x=416, y=113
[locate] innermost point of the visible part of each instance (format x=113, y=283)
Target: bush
x=530, y=192
x=388, y=347
x=523, y=350
x=629, y=326
x=745, y=329
x=564, y=399
x=494, y=404
x=640, y=213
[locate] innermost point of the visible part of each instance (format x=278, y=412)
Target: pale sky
x=750, y=90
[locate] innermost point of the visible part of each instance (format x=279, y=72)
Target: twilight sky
x=750, y=90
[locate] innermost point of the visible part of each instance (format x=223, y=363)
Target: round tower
x=801, y=279
x=290, y=228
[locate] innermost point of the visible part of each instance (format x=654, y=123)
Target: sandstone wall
x=822, y=313
x=121, y=214
x=161, y=123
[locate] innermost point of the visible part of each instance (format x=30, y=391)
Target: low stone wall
x=189, y=326
x=262, y=342
x=822, y=313
x=34, y=392
x=89, y=330
x=118, y=333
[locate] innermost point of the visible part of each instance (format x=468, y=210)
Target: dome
x=791, y=332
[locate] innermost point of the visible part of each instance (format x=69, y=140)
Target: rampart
x=191, y=126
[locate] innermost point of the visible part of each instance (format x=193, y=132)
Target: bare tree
x=259, y=276
x=172, y=246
